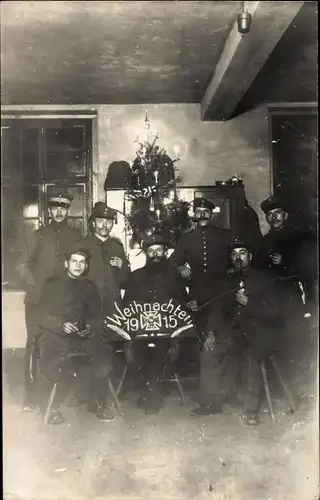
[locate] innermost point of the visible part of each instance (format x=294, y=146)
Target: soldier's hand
x=192, y=305
x=116, y=262
x=242, y=299
x=69, y=328
x=276, y=258
x=87, y=332
x=210, y=341
x=185, y=272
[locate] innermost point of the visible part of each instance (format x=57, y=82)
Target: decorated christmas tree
x=153, y=193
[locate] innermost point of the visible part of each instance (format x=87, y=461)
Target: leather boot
x=103, y=411
x=56, y=418
x=203, y=410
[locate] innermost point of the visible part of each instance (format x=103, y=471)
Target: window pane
x=30, y=156
x=30, y=205
x=11, y=248
x=11, y=202
x=10, y=152
x=77, y=223
x=65, y=164
x=65, y=139
x=78, y=203
x=28, y=228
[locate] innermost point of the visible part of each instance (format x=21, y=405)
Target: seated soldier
x=69, y=308
x=157, y=282
x=243, y=322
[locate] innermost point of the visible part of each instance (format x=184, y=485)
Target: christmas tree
x=153, y=193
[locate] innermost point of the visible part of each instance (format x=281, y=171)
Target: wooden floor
x=166, y=456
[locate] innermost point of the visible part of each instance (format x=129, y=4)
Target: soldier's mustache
x=202, y=217
x=154, y=259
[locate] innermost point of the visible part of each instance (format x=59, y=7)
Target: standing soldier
x=108, y=270
x=280, y=243
x=279, y=253
x=44, y=259
x=205, y=250
x=109, y=267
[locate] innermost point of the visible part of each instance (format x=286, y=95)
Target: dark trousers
x=55, y=365
x=220, y=370
x=148, y=364
x=200, y=318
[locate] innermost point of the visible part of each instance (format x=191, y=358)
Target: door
x=294, y=147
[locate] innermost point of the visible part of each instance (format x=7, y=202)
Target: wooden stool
x=286, y=390
x=83, y=357
x=174, y=378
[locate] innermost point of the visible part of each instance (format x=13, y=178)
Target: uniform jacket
x=155, y=283
x=44, y=257
x=285, y=242
x=109, y=280
x=206, y=251
x=66, y=299
x=259, y=320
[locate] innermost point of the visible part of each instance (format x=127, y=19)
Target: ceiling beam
x=243, y=57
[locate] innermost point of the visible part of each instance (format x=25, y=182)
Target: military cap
x=154, y=239
x=238, y=243
x=77, y=249
x=203, y=203
x=102, y=211
x=64, y=198
x=271, y=203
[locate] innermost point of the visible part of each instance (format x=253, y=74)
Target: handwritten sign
x=150, y=319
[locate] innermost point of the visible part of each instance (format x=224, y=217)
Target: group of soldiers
x=229, y=286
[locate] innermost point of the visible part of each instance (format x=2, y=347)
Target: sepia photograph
x=159, y=243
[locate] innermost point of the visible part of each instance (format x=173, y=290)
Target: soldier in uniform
x=109, y=267
x=157, y=282
x=280, y=253
x=205, y=250
x=243, y=321
x=43, y=259
x=68, y=322
x=108, y=270
x=279, y=244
